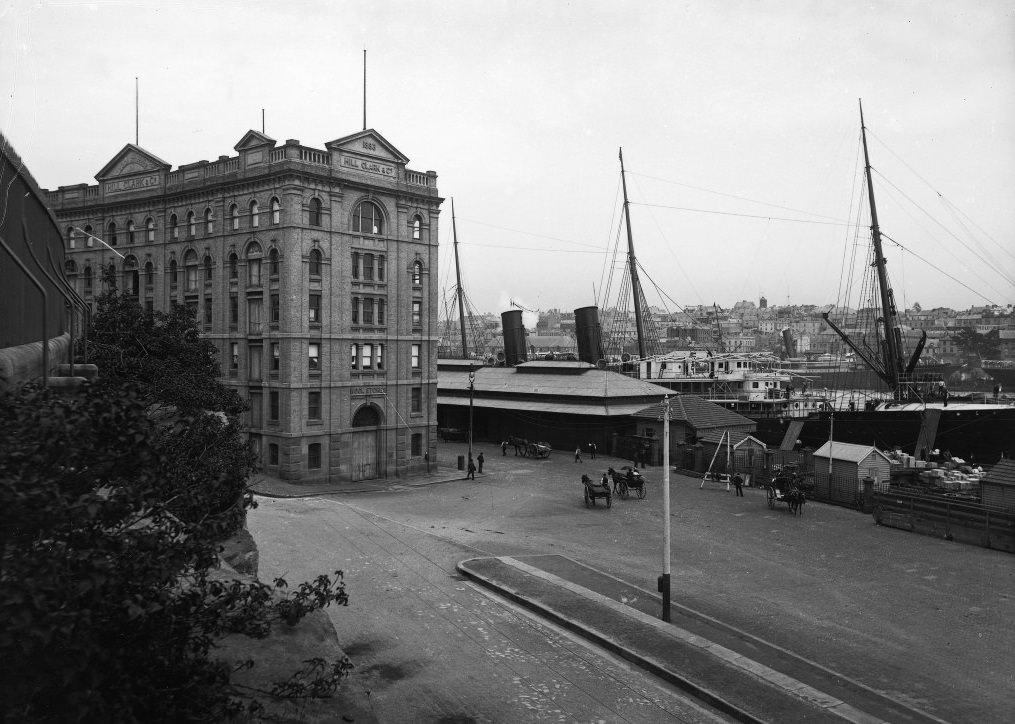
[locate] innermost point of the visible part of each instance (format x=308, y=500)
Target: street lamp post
x=472, y=384
x=664, y=580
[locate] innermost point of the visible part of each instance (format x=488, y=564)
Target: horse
x=795, y=499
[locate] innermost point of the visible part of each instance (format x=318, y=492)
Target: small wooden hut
x=840, y=467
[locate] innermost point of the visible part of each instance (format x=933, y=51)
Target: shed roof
x=1003, y=473
x=847, y=451
x=539, y=379
x=737, y=438
x=697, y=413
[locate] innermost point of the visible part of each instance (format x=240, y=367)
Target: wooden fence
x=935, y=515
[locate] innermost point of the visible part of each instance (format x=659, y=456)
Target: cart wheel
x=771, y=498
x=624, y=489
x=609, y=501
x=641, y=492
x=586, y=497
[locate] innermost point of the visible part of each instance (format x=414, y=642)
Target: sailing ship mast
x=891, y=369
x=632, y=263
x=458, y=280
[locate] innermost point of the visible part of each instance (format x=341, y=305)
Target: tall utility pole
x=472, y=385
x=664, y=580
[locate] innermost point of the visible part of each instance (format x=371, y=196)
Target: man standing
x=471, y=471
x=480, y=461
x=503, y=448
x=592, y=450
x=578, y=454
x=738, y=483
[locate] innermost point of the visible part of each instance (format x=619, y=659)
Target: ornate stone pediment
x=254, y=139
x=368, y=144
x=131, y=161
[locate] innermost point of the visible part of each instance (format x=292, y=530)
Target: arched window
x=234, y=214
x=87, y=274
x=367, y=219
x=149, y=226
x=70, y=267
x=366, y=416
x=276, y=211
x=253, y=215
x=254, y=265
x=172, y=273
x=111, y=274
x=273, y=263
x=191, y=224
x=70, y=237
x=130, y=231
x=209, y=222
x=131, y=282
x=315, y=212
x=417, y=226
x=233, y=259
x=190, y=269
x=149, y=274
x=207, y=267
x=112, y=233
x=417, y=273
x=88, y=233
x=315, y=263
x=174, y=227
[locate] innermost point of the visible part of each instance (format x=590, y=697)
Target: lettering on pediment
x=368, y=165
x=368, y=145
x=361, y=391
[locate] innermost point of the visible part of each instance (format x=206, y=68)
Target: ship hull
x=983, y=436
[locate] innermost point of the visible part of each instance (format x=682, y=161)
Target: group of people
x=578, y=452
x=471, y=468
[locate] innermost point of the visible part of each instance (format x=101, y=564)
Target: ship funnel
x=514, y=337
x=787, y=342
x=588, y=334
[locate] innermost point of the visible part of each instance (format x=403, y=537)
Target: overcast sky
x=739, y=122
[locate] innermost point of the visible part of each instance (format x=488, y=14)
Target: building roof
x=847, y=451
x=1003, y=473
x=696, y=412
x=737, y=438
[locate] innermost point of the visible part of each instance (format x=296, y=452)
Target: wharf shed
x=567, y=404
x=840, y=467
x=747, y=452
x=997, y=487
x=691, y=419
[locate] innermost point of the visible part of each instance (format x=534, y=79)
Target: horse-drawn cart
x=530, y=449
x=594, y=490
x=628, y=481
x=784, y=490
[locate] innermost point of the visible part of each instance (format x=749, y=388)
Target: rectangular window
x=254, y=272
x=355, y=354
x=417, y=312
x=417, y=400
x=368, y=310
x=274, y=356
x=380, y=268
x=273, y=309
x=314, y=405
x=415, y=356
x=379, y=356
x=272, y=454
x=380, y=311
x=314, y=355
x=273, y=406
x=234, y=310
x=368, y=267
x=234, y=356
x=314, y=456
x=417, y=444
x=254, y=363
x=149, y=305
x=207, y=310
x=232, y=266
x=355, y=265
x=315, y=308
x=256, y=410
x=191, y=278
x=366, y=352
x=254, y=316
x=207, y=269
x=355, y=310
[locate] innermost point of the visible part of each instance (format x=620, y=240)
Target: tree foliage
x=113, y=502
x=974, y=344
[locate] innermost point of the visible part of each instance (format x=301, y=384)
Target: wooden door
x=364, y=455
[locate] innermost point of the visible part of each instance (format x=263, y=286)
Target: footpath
x=731, y=670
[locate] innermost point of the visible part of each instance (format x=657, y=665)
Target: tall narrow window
x=315, y=263
x=234, y=310
x=380, y=268
x=149, y=226
x=256, y=410
x=417, y=274
x=172, y=273
x=315, y=309
x=174, y=227
x=314, y=456
x=131, y=283
x=130, y=231
x=273, y=452
x=190, y=263
x=367, y=219
x=274, y=312
x=276, y=212
x=368, y=310
x=275, y=352
x=415, y=357
x=313, y=405
x=149, y=274
x=273, y=263
x=254, y=316
x=233, y=259
x=254, y=272
x=207, y=268
x=87, y=274
x=354, y=350
x=209, y=222
x=207, y=310
x=417, y=224
x=379, y=356
x=355, y=265
x=315, y=212
x=234, y=216
x=380, y=310
x=253, y=215
x=366, y=352
x=417, y=315
x=355, y=310
x=191, y=224
x=254, y=363
x=112, y=233
x=314, y=355
x=368, y=267
x=70, y=237
x=416, y=404
x=417, y=444
x=234, y=355
x=273, y=406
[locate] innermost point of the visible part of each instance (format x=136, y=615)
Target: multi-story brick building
x=312, y=271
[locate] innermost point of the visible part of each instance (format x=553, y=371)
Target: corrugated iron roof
x=1003, y=473
x=566, y=407
x=847, y=451
x=697, y=412
x=549, y=378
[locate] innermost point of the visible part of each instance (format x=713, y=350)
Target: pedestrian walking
x=472, y=470
x=578, y=454
x=503, y=448
x=738, y=483
x=480, y=461
x=592, y=450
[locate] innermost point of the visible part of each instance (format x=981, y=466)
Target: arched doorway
x=365, y=443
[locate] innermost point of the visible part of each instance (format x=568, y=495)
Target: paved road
x=925, y=621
